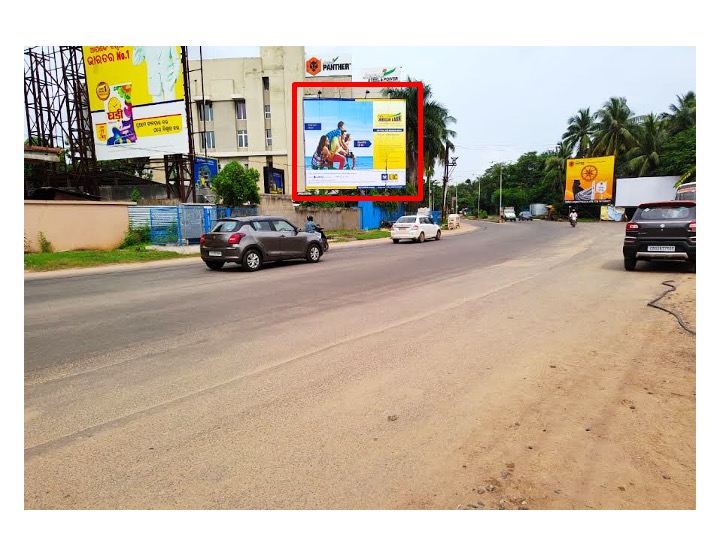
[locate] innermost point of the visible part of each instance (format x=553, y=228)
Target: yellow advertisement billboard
x=589, y=180
x=137, y=101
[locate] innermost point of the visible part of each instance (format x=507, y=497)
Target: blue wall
x=371, y=215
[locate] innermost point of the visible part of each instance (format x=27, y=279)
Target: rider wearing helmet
x=309, y=224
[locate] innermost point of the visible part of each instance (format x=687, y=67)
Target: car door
x=290, y=244
x=427, y=227
x=265, y=236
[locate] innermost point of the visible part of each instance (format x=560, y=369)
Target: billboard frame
x=356, y=198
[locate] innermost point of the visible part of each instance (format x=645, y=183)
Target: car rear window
x=406, y=219
x=666, y=212
x=226, y=226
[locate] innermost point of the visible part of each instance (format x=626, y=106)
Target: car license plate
x=661, y=248
x=215, y=253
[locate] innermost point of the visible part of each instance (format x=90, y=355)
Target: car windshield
x=226, y=226
x=668, y=212
x=406, y=219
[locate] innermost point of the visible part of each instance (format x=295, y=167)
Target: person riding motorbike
x=573, y=217
x=312, y=227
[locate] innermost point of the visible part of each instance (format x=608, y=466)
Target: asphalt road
x=346, y=384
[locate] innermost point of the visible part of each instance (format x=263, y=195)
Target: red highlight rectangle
x=295, y=164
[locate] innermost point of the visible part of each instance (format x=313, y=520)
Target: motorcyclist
x=310, y=224
x=573, y=215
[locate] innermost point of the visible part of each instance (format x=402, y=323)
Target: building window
x=266, y=83
x=267, y=112
x=242, y=138
x=268, y=137
x=240, y=111
x=207, y=139
x=205, y=111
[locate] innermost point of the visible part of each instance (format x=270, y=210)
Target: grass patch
x=346, y=235
x=45, y=262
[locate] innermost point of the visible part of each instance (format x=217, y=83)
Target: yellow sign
x=589, y=180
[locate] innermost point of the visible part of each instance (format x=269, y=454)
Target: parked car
x=525, y=215
x=508, y=214
x=416, y=228
x=661, y=231
x=254, y=240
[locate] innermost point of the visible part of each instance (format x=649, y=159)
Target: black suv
x=663, y=231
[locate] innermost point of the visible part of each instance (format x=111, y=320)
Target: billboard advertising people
x=137, y=101
x=352, y=144
x=589, y=180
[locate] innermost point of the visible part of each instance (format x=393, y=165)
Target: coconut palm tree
x=682, y=115
x=436, y=131
x=579, y=133
x=555, y=167
x=645, y=157
x=615, y=128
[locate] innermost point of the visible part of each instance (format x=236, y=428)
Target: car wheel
x=437, y=235
x=251, y=260
x=421, y=238
x=396, y=241
x=214, y=265
x=313, y=253
x=630, y=263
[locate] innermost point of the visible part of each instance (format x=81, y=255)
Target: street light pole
x=478, y=213
x=501, y=190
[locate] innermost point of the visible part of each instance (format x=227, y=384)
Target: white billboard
x=389, y=74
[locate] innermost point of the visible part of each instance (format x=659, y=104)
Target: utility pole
x=501, y=206
x=446, y=177
x=478, y=213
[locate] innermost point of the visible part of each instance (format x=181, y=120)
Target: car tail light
x=202, y=239
x=235, y=238
x=632, y=226
x=692, y=226
x=414, y=227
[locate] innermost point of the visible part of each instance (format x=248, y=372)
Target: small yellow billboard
x=589, y=180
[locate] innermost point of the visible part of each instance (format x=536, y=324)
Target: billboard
x=334, y=66
x=137, y=101
x=381, y=74
x=204, y=170
x=589, y=180
x=376, y=143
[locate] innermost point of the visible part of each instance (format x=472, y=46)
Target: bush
x=236, y=185
x=483, y=214
x=136, y=236
x=45, y=245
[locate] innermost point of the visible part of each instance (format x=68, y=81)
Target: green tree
x=579, y=133
x=682, y=115
x=678, y=156
x=555, y=173
x=615, y=128
x=643, y=159
x=236, y=185
x=436, y=131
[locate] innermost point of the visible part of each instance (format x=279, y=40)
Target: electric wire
x=668, y=283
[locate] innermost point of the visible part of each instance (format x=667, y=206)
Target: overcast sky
x=511, y=100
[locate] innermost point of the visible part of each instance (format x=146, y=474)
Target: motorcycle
x=323, y=239
x=573, y=221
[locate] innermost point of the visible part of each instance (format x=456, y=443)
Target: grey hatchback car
x=254, y=240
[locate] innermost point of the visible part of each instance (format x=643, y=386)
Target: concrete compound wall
x=75, y=225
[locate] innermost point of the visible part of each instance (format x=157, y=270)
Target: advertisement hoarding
x=589, y=180
x=376, y=153
x=333, y=66
x=137, y=101
x=204, y=170
x=381, y=74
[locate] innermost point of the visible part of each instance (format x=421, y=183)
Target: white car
x=415, y=228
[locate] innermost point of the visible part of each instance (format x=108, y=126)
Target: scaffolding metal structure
x=57, y=115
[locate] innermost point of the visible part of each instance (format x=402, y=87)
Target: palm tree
x=580, y=132
x=436, y=133
x=645, y=157
x=682, y=115
x=555, y=167
x=614, y=131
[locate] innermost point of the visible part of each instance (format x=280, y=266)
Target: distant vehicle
x=416, y=228
x=663, y=231
x=508, y=214
x=685, y=192
x=254, y=240
x=525, y=215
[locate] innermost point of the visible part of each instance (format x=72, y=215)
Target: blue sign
x=313, y=126
x=362, y=144
x=204, y=170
